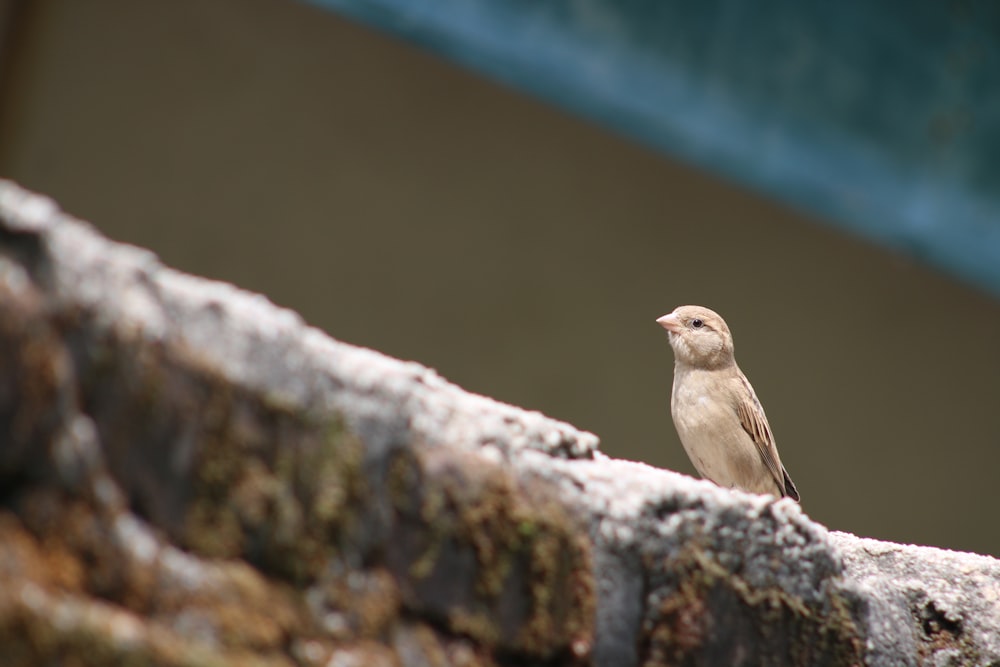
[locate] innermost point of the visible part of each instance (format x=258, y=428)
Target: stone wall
x=190, y=475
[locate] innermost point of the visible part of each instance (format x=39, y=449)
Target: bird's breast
x=709, y=428
x=696, y=407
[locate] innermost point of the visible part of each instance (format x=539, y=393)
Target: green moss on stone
x=713, y=616
x=530, y=590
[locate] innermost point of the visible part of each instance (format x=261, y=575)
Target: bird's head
x=699, y=337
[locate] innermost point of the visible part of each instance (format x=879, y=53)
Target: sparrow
x=720, y=422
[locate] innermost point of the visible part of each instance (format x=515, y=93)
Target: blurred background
x=402, y=202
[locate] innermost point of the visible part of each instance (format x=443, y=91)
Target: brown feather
x=754, y=422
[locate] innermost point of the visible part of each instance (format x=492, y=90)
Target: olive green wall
x=405, y=205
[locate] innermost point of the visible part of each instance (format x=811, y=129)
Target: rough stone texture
x=190, y=475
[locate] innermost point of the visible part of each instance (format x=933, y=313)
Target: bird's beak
x=670, y=323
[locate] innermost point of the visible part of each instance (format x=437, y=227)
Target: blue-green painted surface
x=883, y=117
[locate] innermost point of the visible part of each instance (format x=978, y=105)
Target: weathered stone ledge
x=190, y=475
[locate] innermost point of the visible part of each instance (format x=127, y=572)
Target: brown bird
x=716, y=412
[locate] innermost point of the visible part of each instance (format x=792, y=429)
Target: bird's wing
x=755, y=423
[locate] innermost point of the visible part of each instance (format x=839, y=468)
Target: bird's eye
x=697, y=324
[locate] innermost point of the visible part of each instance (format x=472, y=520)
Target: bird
x=718, y=418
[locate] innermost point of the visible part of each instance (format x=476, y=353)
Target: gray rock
x=192, y=475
